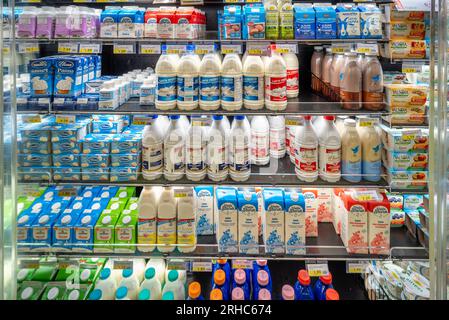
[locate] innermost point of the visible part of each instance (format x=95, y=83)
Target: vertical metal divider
x=2, y=180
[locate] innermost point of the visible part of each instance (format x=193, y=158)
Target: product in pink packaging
x=337, y=206
x=150, y=28
x=166, y=18
x=63, y=22
x=354, y=224
x=79, y=23
x=379, y=225
x=310, y=197
x=45, y=23
x=186, y=23
x=26, y=23
x=324, y=205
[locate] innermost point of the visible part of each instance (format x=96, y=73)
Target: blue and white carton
x=226, y=219
x=232, y=22
x=370, y=21
x=24, y=235
x=109, y=23
x=295, y=222
x=204, y=210
x=83, y=231
x=41, y=77
x=130, y=23
x=326, y=21
x=253, y=21
x=348, y=21
x=305, y=23
x=273, y=220
x=68, y=76
x=248, y=228
x=42, y=230
x=63, y=230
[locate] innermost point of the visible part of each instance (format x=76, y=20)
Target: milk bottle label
x=195, y=154
x=209, y=88
x=166, y=88
x=274, y=228
x=146, y=231
x=260, y=144
x=330, y=159
x=371, y=164
x=277, y=140
x=186, y=231
x=152, y=157
x=228, y=228
x=351, y=164
x=240, y=154
x=276, y=88
x=166, y=230
x=253, y=88
x=216, y=154
x=188, y=88
x=231, y=88
x=174, y=156
x=307, y=159
x=292, y=79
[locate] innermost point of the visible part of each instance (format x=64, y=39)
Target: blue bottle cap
x=239, y=117
x=174, y=117
x=126, y=273
x=168, y=296
x=95, y=295
x=105, y=273
x=144, y=294
x=121, y=292
x=172, y=275
x=217, y=117
x=150, y=273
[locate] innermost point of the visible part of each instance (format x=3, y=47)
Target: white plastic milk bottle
x=217, y=150
x=253, y=82
x=166, y=221
x=153, y=149
x=291, y=61
x=146, y=227
x=239, y=148
x=306, y=158
x=351, y=152
x=107, y=284
x=277, y=136
x=175, y=286
x=139, y=269
x=196, y=151
x=188, y=81
x=166, y=82
x=159, y=266
x=186, y=224
x=231, y=82
x=152, y=284
x=371, y=153
x=260, y=140
x=131, y=282
x=329, y=151
x=174, y=148
x=275, y=82
x=210, y=71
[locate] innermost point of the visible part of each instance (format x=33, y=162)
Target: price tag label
x=231, y=1
x=254, y=1
x=30, y=190
x=58, y=101
x=67, y=192
x=367, y=122
x=367, y=48
x=286, y=48
x=6, y=49
x=31, y=118
x=141, y=120
x=123, y=264
x=317, y=269
x=65, y=119
x=341, y=47
x=293, y=121
x=204, y=48
x=366, y=195
x=28, y=47
x=176, y=48
x=176, y=265
x=82, y=101
x=231, y=48
x=43, y=101
x=150, y=48
x=64, y=264
x=183, y=192
x=29, y=264
x=242, y=264
x=124, y=48
x=409, y=67
x=200, y=266
x=68, y=47
x=356, y=267
x=258, y=48
x=90, y=47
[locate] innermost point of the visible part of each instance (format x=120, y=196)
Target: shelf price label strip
x=287, y=48
x=176, y=265
x=124, y=48
x=150, y=48
x=68, y=47
x=356, y=266
x=123, y=264
x=90, y=47
x=65, y=119
x=367, y=48
x=231, y=48
x=204, y=48
x=201, y=266
x=258, y=48
x=341, y=47
x=317, y=269
x=242, y=264
x=27, y=47
x=175, y=48
x=412, y=67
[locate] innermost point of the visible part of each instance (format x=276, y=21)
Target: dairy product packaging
x=354, y=223
x=205, y=224
x=232, y=22
x=253, y=24
x=286, y=21
x=273, y=220
x=295, y=227
x=150, y=23
x=83, y=231
x=42, y=232
x=30, y=290
x=404, y=49
x=406, y=95
x=130, y=23
x=109, y=23
x=370, y=21
x=226, y=217
x=126, y=233
x=407, y=30
x=190, y=23
x=348, y=21
x=96, y=144
x=407, y=179
x=305, y=22
x=272, y=21
x=379, y=224
x=248, y=233
x=311, y=203
x=324, y=205
x=41, y=77
x=166, y=23
x=24, y=232
x=326, y=21
x=403, y=161
x=63, y=230
x=405, y=140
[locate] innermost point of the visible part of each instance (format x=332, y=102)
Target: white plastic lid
x=88, y=194
x=74, y=295
x=23, y=219
x=85, y=274
x=126, y=219
x=44, y=219
x=349, y=122
x=77, y=205
x=22, y=274
x=86, y=220
x=247, y=195
x=133, y=206
x=106, y=220
x=294, y=195
x=27, y=293
x=95, y=206
x=114, y=206
x=56, y=206
x=123, y=194
x=66, y=219
x=53, y=293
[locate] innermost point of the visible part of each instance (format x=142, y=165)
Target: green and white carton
x=30, y=290
x=126, y=192
x=54, y=290
x=79, y=293
x=126, y=234
x=104, y=235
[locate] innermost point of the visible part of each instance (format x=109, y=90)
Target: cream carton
x=337, y=207
x=354, y=224
x=379, y=225
x=204, y=210
x=248, y=233
x=311, y=201
x=24, y=236
x=126, y=234
x=62, y=231
x=295, y=224
x=286, y=21
x=42, y=230
x=405, y=140
x=324, y=199
x=104, y=232
x=273, y=220
x=227, y=219
x=370, y=21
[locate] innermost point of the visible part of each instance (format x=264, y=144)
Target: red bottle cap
x=307, y=117
x=329, y=118
x=303, y=277
x=326, y=279
x=331, y=294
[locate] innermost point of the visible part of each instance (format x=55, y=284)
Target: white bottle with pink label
x=260, y=141
x=306, y=157
x=291, y=61
x=275, y=82
x=329, y=151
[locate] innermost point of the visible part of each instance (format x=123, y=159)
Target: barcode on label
x=123, y=264
x=317, y=269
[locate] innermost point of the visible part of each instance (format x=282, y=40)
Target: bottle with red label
x=291, y=61
x=329, y=157
x=306, y=154
x=275, y=81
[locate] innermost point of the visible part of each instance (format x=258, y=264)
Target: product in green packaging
x=132, y=203
x=286, y=21
x=272, y=22
x=64, y=274
x=99, y=262
x=25, y=274
x=54, y=291
x=30, y=290
x=125, y=234
x=117, y=204
x=104, y=232
x=24, y=203
x=88, y=273
x=126, y=192
x=44, y=273
x=77, y=294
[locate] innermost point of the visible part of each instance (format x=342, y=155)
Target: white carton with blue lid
x=248, y=227
x=226, y=213
x=295, y=222
x=273, y=220
x=130, y=22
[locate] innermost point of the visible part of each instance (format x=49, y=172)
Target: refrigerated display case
x=77, y=99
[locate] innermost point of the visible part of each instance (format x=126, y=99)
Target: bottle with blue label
x=303, y=290
x=231, y=82
x=321, y=286
x=351, y=152
x=209, y=82
x=371, y=153
x=188, y=80
x=166, y=71
x=195, y=291
x=242, y=279
x=221, y=282
x=253, y=82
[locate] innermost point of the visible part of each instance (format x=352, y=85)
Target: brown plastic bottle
x=373, y=96
x=315, y=66
x=351, y=82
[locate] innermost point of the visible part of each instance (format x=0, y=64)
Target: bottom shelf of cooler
x=327, y=246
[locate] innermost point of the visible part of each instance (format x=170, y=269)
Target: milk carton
x=232, y=22
x=68, y=77
x=295, y=226
x=248, y=233
x=62, y=230
x=204, y=210
x=109, y=23
x=126, y=234
x=130, y=23
x=354, y=224
x=253, y=21
x=42, y=229
x=286, y=21
x=104, y=232
x=83, y=232
x=41, y=77
x=348, y=21
x=24, y=235
x=150, y=28
x=273, y=220
x=324, y=213
x=311, y=200
x=326, y=21
x=379, y=225
x=337, y=205
x=370, y=21
x=185, y=20
x=304, y=21
x=272, y=21
x=166, y=23
x=226, y=219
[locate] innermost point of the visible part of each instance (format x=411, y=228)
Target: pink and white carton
x=324, y=205
x=166, y=20
x=310, y=197
x=354, y=224
x=379, y=225
x=337, y=207
x=150, y=27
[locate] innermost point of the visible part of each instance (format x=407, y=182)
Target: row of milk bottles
x=172, y=147
x=252, y=81
x=355, y=77
x=166, y=222
x=333, y=150
x=145, y=281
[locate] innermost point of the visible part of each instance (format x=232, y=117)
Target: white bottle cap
x=53, y=293
x=27, y=293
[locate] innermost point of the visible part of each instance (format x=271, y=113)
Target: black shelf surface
x=307, y=103
x=327, y=246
